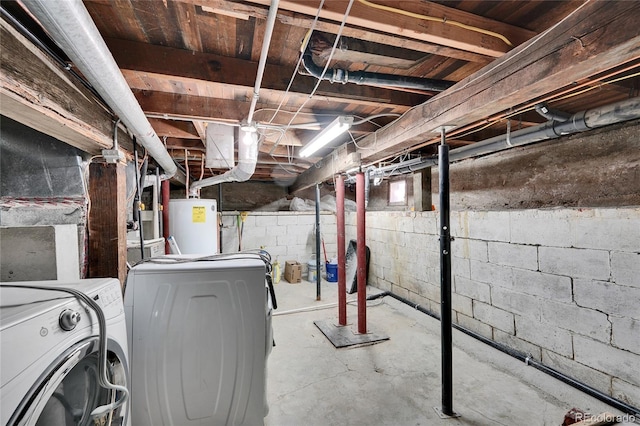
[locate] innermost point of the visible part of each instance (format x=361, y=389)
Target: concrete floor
x=397, y=382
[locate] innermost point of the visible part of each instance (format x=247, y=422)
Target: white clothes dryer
x=51, y=363
x=200, y=334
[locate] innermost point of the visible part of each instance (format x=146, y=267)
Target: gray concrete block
x=625, y=391
x=405, y=223
x=516, y=255
x=493, y=316
x=554, y=287
x=310, y=219
x=578, y=263
x=516, y=343
x=287, y=220
x=470, y=249
x=540, y=227
x=490, y=273
x=584, y=321
x=518, y=303
x=612, y=361
x=473, y=289
x=425, y=223
x=625, y=268
x=265, y=220
x=545, y=336
x=607, y=297
x=396, y=289
x=626, y=333
x=474, y=325
x=582, y=373
x=489, y=226
x=391, y=274
x=608, y=229
x=460, y=267
x=461, y=304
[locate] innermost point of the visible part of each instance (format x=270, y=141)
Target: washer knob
x=68, y=319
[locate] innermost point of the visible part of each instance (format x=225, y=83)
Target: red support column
x=361, y=273
x=342, y=271
x=165, y=215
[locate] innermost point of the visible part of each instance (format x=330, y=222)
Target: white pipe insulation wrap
x=71, y=27
x=244, y=169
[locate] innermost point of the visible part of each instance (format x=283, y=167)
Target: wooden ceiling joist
x=367, y=15
x=211, y=72
x=608, y=36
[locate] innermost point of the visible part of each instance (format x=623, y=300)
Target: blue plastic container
x=332, y=272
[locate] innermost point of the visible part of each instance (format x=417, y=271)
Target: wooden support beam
x=36, y=92
x=107, y=221
x=440, y=33
x=608, y=36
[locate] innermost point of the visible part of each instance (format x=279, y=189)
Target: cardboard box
x=292, y=271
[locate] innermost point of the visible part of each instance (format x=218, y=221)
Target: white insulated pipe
x=71, y=27
x=268, y=31
x=248, y=141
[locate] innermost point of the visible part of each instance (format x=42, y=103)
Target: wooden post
x=107, y=221
x=422, y=191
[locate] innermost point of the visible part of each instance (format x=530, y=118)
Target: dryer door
x=68, y=393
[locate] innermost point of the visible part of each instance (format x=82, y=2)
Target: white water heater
x=193, y=223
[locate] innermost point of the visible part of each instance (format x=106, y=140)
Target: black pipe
x=445, y=278
x=318, y=242
x=527, y=359
x=371, y=78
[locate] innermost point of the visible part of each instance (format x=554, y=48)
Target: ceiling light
x=332, y=131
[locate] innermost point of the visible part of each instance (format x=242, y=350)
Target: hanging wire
x=326, y=67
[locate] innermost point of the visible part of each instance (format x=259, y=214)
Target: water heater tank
x=193, y=223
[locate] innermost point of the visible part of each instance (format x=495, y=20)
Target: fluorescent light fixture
x=332, y=131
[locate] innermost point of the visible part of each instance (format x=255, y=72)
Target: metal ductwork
x=370, y=78
x=71, y=27
x=619, y=112
x=244, y=169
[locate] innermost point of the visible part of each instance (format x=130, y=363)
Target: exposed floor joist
x=545, y=64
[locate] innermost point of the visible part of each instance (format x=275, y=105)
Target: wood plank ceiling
x=194, y=62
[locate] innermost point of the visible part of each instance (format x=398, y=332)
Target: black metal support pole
x=318, y=254
x=445, y=278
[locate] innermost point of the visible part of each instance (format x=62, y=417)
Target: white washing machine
x=200, y=334
x=51, y=368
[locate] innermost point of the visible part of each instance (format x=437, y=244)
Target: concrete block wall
x=285, y=235
x=561, y=284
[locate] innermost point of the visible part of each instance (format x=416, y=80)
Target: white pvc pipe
x=268, y=31
x=71, y=27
